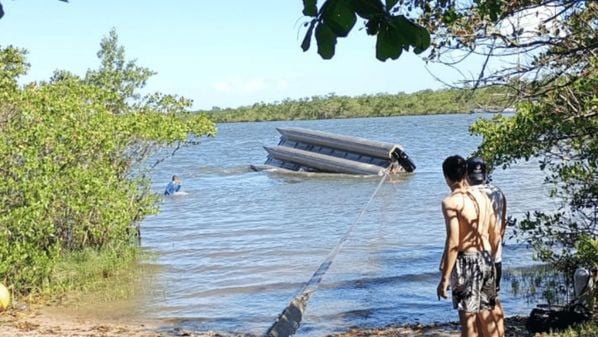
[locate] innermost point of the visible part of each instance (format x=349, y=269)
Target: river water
x=235, y=249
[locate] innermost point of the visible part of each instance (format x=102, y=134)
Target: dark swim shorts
x=473, y=282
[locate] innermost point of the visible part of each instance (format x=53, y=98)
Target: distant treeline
x=423, y=102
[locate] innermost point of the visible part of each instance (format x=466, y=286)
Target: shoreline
x=514, y=327
x=49, y=321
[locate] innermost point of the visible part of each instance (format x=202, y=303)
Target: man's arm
x=498, y=227
x=451, y=246
x=503, y=222
x=497, y=233
x=441, y=265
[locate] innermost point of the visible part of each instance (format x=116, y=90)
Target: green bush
x=423, y=102
x=589, y=329
x=71, y=151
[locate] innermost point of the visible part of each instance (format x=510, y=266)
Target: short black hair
x=453, y=168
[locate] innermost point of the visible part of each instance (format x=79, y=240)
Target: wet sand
x=48, y=321
x=514, y=326
x=45, y=321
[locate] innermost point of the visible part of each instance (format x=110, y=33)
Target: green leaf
x=389, y=43
x=307, y=39
x=326, y=41
x=450, y=16
x=414, y=34
x=310, y=8
x=368, y=9
x=390, y=4
x=495, y=9
x=373, y=26
x=340, y=16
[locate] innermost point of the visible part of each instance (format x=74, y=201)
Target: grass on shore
x=108, y=274
x=588, y=329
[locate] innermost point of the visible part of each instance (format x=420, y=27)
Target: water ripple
x=234, y=251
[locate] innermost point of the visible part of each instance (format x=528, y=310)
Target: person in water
x=173, y=186
x=467, y=262
x=477, y=178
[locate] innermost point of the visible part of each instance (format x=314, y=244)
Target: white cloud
x=282, y=84
x=222, y=86
x=236, y=90
x=253, y=85
x=529, y=21
x=248, y=86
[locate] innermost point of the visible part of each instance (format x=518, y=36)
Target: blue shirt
x=172, y=187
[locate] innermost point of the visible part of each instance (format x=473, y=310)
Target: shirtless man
x=467, y=260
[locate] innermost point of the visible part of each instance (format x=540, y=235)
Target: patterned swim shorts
x=473, y=282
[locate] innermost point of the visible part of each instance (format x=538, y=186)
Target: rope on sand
x=288, y=321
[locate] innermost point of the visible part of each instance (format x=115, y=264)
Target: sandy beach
x=46, y=321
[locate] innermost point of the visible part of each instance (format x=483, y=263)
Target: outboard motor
x=403, y=160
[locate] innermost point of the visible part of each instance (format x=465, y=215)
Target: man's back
x=499, y=205
x=476, y=218
x=497, y=198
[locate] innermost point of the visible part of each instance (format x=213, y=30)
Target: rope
x=288, y=321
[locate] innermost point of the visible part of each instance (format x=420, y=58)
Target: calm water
x=238, y=247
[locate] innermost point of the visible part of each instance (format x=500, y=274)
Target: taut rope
x=288, y=321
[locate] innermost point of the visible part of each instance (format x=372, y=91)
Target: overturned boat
x=307, y=150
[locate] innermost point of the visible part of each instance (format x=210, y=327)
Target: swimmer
x=174, y=186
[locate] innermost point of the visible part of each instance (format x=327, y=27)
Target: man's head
x=476, y=171
x=453, y=168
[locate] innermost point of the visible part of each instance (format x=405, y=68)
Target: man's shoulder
x=454, y=199
x=478, y=190
x=447, y=200
x=494, y=191
x=492, y=187
x=488, y=189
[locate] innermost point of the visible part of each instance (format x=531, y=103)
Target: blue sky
x=217, y=53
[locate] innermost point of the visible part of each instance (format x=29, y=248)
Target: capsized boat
x=307, y=150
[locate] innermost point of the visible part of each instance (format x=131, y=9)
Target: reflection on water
x=240, y=245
